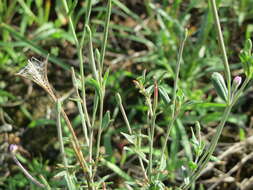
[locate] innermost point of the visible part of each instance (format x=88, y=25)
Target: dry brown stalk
x=37, y=72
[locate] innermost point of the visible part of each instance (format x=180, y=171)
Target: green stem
x=107, y=21
x=80, y=56
x=119, y=101
x=100, y=124
x=79, y=105
x=63, y=155
x=74, y=141
x=223, y=49
x=92, y=59
x=140, y=159
x=96, y=99
x=101, y=108
x=59, y=131
x=151, y=138
x=206, y=157
x=173, y=115
x=85, y=131
x=87, y=20
x=86, y=115
x=65, y=4
x=152, y=131
x=88, y=11
x=87, y=118
x=79, y=48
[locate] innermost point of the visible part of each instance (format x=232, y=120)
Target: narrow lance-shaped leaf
x=130, y=138
x=106, y=75
x=150, y=90
x=106, y=120
x=164, y=95
x=95, y=84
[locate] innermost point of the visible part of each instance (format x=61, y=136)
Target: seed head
x=36, y=71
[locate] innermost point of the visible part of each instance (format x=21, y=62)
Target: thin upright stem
x=59, y=131
x=101, y=108
x=119, y=101
x=63, y=155
x=206, y=157
x=118, y=98
x=80, y=56
x=152, y=133
x=174, y=96
x=87, y=118
x=65, y=4
x=106, y=29
x=80, y=107
x=75, y=143
x=91, y=55
x=87, y=20
x=80, y=110
x=223, y=49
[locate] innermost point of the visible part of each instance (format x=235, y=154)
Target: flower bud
x=236, y=83
x=13, y=148
x=237, y=80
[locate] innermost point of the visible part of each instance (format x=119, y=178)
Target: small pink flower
x=13, y=148
x=237, y=80
x=236, y=83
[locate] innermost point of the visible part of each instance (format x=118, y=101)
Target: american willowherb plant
x=154, y=168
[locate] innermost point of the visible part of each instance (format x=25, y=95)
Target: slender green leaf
x=116, y=169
